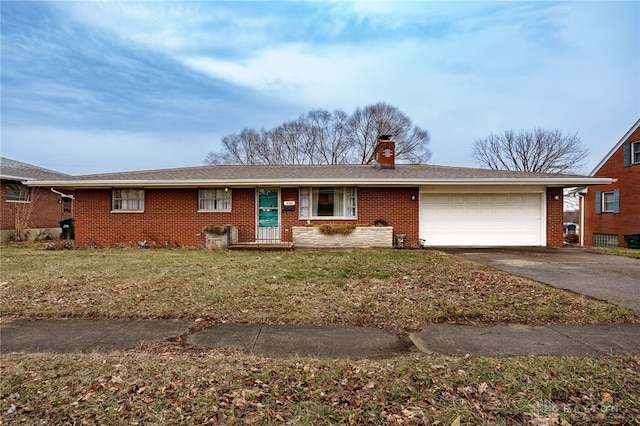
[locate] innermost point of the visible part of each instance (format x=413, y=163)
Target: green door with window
x=268, y=215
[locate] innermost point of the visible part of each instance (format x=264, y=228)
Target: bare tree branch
x=540, y=151
x=323, y=137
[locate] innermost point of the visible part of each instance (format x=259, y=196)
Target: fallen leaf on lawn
x=606, y=399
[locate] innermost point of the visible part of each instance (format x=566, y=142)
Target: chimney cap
x=385, y=137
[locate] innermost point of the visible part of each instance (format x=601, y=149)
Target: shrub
x=216, y=229
x=572, y=238
x=336, y=228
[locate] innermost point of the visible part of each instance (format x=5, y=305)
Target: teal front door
x=268, y=215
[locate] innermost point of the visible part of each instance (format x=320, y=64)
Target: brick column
x=555, y=217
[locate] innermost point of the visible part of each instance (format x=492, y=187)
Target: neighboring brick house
x=36, y=212
x=609, y=212
x=428, y=205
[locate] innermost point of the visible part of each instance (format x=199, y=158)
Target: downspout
x=581, y=195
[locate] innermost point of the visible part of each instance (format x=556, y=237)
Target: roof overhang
x=96, y=184
x=14, y=178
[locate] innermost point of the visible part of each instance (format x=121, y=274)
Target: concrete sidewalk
x=74, y=335
x=517, y=339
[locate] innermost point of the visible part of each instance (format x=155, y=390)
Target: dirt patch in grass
x=398, y=290
x=227, y=388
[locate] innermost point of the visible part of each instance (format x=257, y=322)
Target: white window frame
x=308, y=202
x=635, y=152
x=608, y=199
x=23, y=189
x=214, y=200
x=127, y=200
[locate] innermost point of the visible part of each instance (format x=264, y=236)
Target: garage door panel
x=481, y=219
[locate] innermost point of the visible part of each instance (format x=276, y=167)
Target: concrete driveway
x=615, y=279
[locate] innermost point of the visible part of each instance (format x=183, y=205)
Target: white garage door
x=481, y=219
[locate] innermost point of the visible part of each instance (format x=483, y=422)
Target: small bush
x=216, y=229
x=336, y=228
x=572, y=238
x=380, y=222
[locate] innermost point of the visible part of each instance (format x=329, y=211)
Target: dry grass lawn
x=398, y=290
x=166, y=383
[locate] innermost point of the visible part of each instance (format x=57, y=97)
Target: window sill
x=214, y=211
x=19, y=201
x=127, y=211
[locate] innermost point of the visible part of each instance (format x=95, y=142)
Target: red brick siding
x=628, y=220
x=555, y=213
x=47, y=211
x=170, y=217
x=393, y=205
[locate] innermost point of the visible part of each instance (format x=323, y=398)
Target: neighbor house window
x=320, y=202
x=608, y=202
x=131, y=200
x=15, y=191
x=214, y=199
x=635, y=152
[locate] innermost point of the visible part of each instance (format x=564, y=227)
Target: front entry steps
x=261, y=246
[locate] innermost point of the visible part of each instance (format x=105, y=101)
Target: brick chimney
x=384, y=156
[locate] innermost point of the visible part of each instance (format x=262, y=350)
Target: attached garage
x=482, y=219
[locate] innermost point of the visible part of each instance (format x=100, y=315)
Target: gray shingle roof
x=403, y=174
x=12, y=169
x=357, y=172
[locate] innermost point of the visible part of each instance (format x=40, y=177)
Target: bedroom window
x=17, y=192
x=328, y=202
x=608, y=202
x=214, y=199
x=127, y=200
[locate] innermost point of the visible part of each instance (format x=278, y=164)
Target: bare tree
x=323, y=137
x=21, y=213
x=540, y=151
x=368, y=123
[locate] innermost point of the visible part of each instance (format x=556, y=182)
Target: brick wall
x=46, y=211
x=393, y=205
x=555, y=217
x=628, y=220
x=171, y=216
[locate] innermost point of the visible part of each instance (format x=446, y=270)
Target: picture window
x=328, y=202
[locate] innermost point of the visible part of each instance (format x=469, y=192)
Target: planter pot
x=362, y=236
x=217, y=241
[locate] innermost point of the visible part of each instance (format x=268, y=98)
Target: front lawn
x=167, y=383
x=398, y=290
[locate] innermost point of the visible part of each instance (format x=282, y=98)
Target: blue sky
x=91, y=87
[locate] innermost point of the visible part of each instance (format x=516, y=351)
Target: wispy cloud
x=459, y=69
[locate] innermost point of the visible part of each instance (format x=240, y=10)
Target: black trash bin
x=633, y=241
x=68, y=229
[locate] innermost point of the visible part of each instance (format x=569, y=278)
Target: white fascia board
x=13, y=178
x=561, y=181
